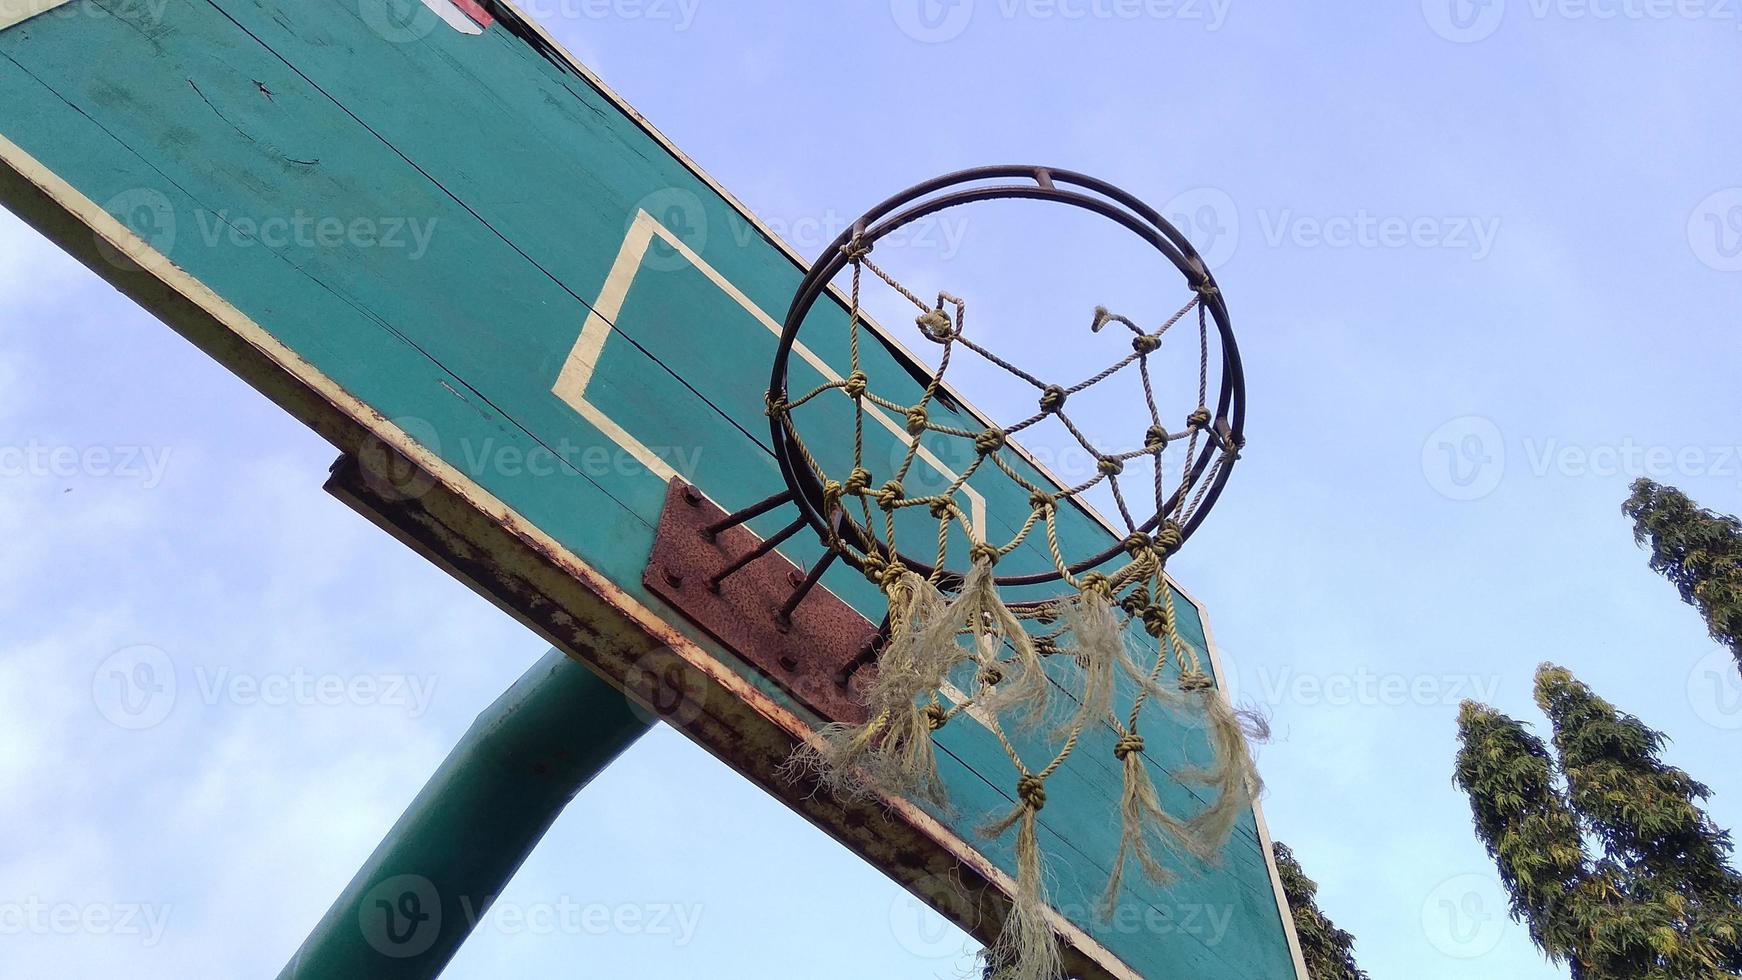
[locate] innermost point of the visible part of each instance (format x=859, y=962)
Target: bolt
x=672, y=578
x=788, y=663
x=692, y=496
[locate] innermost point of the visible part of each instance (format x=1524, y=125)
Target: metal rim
x=928, y=198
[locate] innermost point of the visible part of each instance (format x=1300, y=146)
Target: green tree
x=1329, y=951
x=1524, y=820
x=1605, y=850
x=1699, y=551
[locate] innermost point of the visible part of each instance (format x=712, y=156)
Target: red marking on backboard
x=476, y=11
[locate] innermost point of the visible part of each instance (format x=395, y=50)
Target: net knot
x=832, y=494
x=890, y=494
x=916, y=420
x=1207, y=289
x=856, y=385
x=1195, y=680
x=1032, y=790
x=1052, y=400
x=1109, y=466
x=936, y=717
x=776, y=407
x=984, y=552
x=936, y=325
x=1156, y=439
x=990, y=441
x=857, y=481
x=892, y=573
x=1138, y=544
x=1199, y=419
x=1169, y=538
x=1099, y=584
x=873, y=567
x=1154, y=620
x=856, y=249
x=1146, y=343
x=943, y=509
x=1134, y=603
x=1129, y=745
x=990, y=676
x=1041, y=500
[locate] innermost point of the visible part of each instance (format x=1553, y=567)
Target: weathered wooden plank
x=231, y=114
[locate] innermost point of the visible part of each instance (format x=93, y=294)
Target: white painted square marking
x=15, y=12
x=583, y=360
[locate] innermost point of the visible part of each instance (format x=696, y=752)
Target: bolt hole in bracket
x=723, y=578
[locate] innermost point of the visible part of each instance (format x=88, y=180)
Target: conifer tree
x=1328, y=950
x=1525, y=822
x=1647, y=817
x=1699, y=551
x=1655, y=896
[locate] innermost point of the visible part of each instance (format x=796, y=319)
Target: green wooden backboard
x=461, y=252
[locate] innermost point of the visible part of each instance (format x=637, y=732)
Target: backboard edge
x=1265, y=843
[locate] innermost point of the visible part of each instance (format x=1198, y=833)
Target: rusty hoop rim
x=1102, y=198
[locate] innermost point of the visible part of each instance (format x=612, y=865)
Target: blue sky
x=1484, y=261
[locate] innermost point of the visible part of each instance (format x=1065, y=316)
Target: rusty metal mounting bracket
x=762, y=607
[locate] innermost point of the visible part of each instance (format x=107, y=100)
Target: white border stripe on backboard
x=1265, y=844
x=15, y=12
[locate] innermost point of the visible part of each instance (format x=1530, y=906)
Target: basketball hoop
x=948, y=609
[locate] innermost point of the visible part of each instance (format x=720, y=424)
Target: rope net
x=946, y=625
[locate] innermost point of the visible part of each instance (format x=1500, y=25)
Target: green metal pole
x=405, y=914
